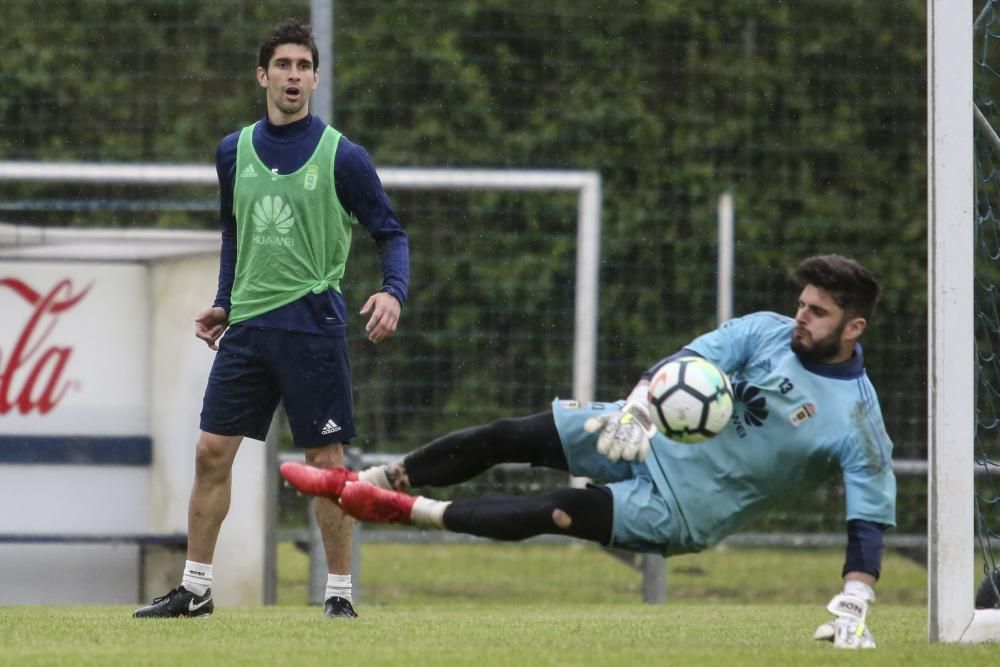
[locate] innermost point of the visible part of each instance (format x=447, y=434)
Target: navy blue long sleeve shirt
x=285, y=149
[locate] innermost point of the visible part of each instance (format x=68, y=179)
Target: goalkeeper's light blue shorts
x=643, y=519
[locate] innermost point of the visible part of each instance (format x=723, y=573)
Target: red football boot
x=326, y=482
x=374, y=504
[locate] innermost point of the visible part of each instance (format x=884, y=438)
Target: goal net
x=503, y=310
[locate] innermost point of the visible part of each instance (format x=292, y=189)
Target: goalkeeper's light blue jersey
x=794, y=426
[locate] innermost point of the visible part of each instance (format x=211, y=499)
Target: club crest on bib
x=312, y=177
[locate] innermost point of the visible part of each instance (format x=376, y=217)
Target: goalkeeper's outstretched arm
x=862, y=565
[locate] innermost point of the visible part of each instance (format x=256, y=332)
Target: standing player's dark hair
x=289, y=31
x=851, y=285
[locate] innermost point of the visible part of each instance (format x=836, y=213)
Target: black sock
x=461, y=455
x=503, y=517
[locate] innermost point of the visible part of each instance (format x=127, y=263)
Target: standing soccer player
x=292, y=188
x=805, y=411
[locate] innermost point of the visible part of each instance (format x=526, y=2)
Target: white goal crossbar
x=586, y=183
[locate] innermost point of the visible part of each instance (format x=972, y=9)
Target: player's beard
x=822, y=350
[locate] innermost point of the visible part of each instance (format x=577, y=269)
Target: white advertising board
x=73, y=357
x=101, y=381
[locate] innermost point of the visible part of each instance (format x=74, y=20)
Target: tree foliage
x=811, y=113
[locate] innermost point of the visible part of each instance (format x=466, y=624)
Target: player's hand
x=211, y=323
x=384, y=308
x=848, y=628
x=625, y=433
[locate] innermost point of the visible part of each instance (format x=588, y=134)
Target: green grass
x=495, y=604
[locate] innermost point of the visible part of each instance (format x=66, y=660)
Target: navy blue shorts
x=256, y=368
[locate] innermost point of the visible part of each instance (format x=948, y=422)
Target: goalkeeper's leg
x=463, y=454
x=584, y=513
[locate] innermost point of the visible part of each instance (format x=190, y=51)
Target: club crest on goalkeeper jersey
x=794, y=426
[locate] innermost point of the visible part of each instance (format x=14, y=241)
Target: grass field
x=493, y=604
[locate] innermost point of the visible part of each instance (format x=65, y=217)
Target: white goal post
x=952, y=616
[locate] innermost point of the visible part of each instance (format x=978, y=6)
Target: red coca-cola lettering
x=31, y=373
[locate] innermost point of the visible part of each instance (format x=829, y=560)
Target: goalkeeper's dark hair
x=851, y=285
x=289, y=31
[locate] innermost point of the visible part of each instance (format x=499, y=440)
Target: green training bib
x=292, y=233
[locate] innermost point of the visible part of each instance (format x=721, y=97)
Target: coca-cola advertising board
x=101, y=382
x=73, y=361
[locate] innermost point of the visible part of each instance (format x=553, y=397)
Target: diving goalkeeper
x=805, y=412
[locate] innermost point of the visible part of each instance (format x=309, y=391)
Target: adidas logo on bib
x=248, y=172
x=330, y=427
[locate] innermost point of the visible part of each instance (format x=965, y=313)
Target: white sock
x=376, y=475
x=197, y=577
x=428, y=513
x=859, y=589
x=338, y=585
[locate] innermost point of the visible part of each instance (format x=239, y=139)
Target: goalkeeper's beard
x=821, y=350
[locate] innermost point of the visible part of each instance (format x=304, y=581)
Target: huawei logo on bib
x=272, y=214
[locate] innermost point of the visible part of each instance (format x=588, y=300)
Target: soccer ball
x=690, y=399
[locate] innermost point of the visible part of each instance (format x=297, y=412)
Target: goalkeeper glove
x=848, y=628
x=625, y=433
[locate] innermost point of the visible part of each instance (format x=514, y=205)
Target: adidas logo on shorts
x=330, y=427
